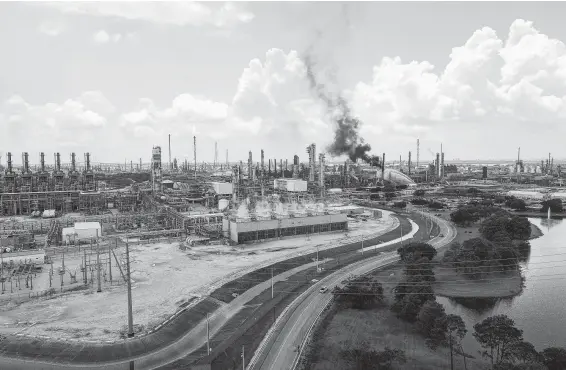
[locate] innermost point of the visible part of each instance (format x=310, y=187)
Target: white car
x=323, y=289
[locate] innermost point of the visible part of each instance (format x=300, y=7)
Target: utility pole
x=272, y=283
x=130, y=315
x=207, y=334
x=243, y=359
x=98, y=267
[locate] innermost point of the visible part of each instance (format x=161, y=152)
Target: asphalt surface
x=281, y=353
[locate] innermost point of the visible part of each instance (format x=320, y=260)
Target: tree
x=554, y=358
x=431, y=322
x=419, y=193
x=416, y=250
x=525, y=352
x=365, y=358
x=362, y=292
x=497, y=335
x=463, y=216
x=519, y=228
x=516, y=204
x=555, y=205
x=400, y=204
x=419, y=201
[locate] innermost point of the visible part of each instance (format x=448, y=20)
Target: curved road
x=190, y=342
x=280, y=353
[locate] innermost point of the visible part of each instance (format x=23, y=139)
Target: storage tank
x=223, y=204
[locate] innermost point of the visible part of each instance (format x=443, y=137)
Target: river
x=540, y=310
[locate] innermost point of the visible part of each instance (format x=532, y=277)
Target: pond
x=540, y=310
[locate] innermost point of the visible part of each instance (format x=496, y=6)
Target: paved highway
x=280, y=351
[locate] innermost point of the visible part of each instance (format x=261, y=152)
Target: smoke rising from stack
x=347, y=140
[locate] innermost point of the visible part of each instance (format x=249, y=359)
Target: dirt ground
x=164, y=278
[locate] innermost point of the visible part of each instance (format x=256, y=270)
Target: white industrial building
x=222, y=188
x=81, y=231
x=293, y=185
x=527, y=195
x=247, y=230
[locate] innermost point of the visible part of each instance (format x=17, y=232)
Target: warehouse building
x=249, y=230
x=82, y=231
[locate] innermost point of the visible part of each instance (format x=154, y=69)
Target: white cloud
x=102, y=37
x=488, y=81
x=178, y=13
x=522, y=78
x=51, y=28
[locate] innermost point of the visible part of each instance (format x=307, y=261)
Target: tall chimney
x=170, y=168
x=73, y=162
x=9, y=162
x=409, y=163
x=58, y=162
x=275, y=167
x=195, y=154
x=262, y=170
x=442, y=174
x=281, y=167
x=437, y=165
x=296, y=167
x=26, y=162
x=87, y=161
x=42, y=161
x=383, y=169
x=250, y=166
x=321, y=174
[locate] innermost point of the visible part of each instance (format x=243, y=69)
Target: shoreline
x=536, y=232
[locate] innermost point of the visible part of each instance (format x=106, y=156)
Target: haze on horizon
x=114, y=79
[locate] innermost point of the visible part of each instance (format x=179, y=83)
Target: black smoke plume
x=347, y=140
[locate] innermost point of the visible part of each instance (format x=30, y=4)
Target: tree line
x=415, y=302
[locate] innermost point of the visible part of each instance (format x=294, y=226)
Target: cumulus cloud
x=51, y=28
x=102, y=37
x=178, y=13
x=522, y=78
x=488, y=81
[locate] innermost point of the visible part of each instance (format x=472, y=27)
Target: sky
x=116, y=78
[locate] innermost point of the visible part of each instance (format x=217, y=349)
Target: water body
x=540, y=310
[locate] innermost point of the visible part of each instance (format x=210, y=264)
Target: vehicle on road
x=324, y=289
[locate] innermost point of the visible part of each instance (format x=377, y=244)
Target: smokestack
x=296, y=167
x=418, y=153
x=286, y=165
x=275, y=167
x=250, y=167
x=269, y=167
x=281, y=167
x=42, y=161
x=73, y=162
x=58, y=162
x=195, y=154
x=87, y=160
x=409, y=163
x=442, y=165
x=9, y=162
x=170, y=168
x=321, y=174
x=437, y=165
x=215, y=154
x=262, y=170
x=26, y=162
x=383, y=169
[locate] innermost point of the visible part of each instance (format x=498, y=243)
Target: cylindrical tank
x=223, y=204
